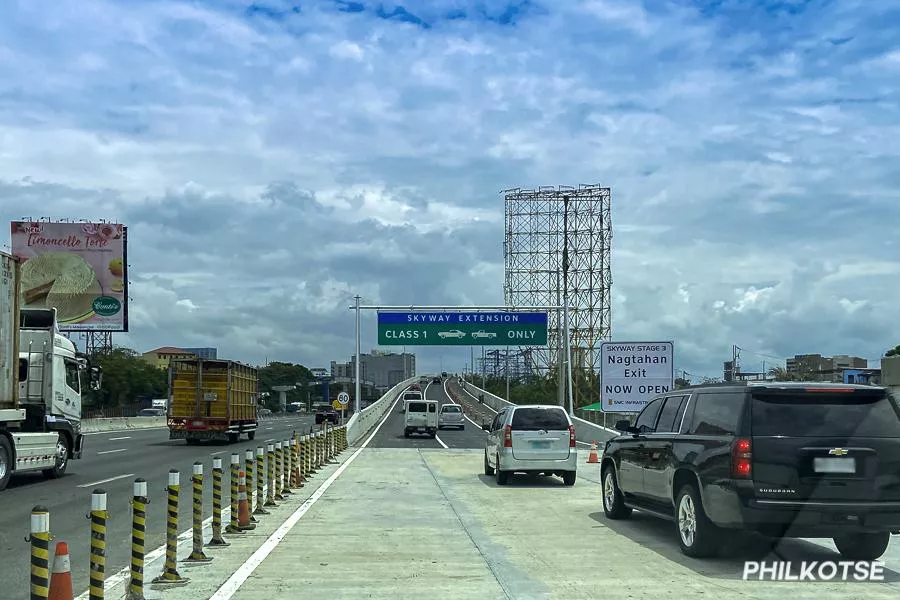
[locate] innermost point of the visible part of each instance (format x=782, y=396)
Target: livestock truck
x=42, y=382
x=212, y=399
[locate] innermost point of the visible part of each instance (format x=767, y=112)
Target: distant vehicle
x=264, y=412
x=436, y=380
x=409, y=396
x=327, y=413
x=444, y=374
x=532, y=439
x=453, y=333
x=152, y=412
x=421, y=417
x=451, y=416
x=781, y=459
x=483, y=334
x=415, y=387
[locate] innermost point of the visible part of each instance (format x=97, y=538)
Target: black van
x=817, y=460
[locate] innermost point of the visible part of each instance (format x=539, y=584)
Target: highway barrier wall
x=123, y=423
x=362, y=422
x=585, y=431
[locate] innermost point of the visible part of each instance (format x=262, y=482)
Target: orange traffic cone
x=592, y=457
x=243, y=504
x=61, y=576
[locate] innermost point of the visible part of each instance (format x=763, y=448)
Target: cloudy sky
x=274, y=159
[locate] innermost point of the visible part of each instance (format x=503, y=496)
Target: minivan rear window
x=416, y=407
x=825, y=414
x=536, y=419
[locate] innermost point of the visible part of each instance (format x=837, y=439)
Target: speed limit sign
x=344, y=398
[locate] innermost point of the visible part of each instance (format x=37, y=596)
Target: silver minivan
x=531, y=439
x=451, y=416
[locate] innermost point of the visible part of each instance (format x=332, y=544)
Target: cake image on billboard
x=60, y=280
x=78, y=268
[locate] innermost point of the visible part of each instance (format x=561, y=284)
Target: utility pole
x=358, y=384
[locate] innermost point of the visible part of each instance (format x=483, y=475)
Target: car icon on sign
x=456, y=333
x=483, y=334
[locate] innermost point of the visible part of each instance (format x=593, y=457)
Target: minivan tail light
x=741, y=456
x=571, y=436
x=507, y=436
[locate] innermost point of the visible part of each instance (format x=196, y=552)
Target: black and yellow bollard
x=138, y=539
x=279, y=466
x=285, y=468
x=197, y=555
x=321, y=447
x=233, y=528
x=217, y=539
x=98, y=517
x=260, y=481
x=248, y=469
x=40, y=553
x=270, y=475
x=304, y=466
x=295, y=462
x=170, y=575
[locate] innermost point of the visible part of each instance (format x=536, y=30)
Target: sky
x=274, y=159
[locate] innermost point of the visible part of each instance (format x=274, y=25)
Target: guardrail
x=363, y=421
x=101, y=425
x=585, y=431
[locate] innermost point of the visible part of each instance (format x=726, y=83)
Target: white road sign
x=344, y=398
x=632, y=373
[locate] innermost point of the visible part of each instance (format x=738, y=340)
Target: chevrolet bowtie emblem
x=838, y=451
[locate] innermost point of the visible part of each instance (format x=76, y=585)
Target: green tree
x=127, y=378
x=681, y=382
x=895, y=351
x=283, y=373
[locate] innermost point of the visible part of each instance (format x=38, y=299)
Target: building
x=204, y=353
x=862, y=376
x=815, y=367
x=383, y=369
x=161, y=357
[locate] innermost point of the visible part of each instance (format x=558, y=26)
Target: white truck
x=41, y=383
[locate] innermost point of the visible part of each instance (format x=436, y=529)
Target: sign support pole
x=358, y=386
x=569, y=360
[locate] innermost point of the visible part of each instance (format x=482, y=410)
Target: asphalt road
x=391, y=433
x=112, y=461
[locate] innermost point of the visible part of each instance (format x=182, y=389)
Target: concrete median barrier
x=120, y=424
x=362, y=422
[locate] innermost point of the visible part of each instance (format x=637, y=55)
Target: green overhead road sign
x=462, y=328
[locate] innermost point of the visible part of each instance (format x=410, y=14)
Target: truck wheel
x=6, y=462
x=862, y=546
x=251, y=435
x=233, y=437
x=62, y=458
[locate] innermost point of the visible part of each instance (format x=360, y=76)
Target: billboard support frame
x=563, y=381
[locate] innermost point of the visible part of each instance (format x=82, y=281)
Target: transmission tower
x=556, y=250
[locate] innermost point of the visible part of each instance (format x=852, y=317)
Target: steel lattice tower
x=558, y=243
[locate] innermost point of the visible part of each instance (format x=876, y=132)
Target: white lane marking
x=234, y=583
x=218, y=453
x=440, y=441
x=127, y=437
x=117, y=477
x=113, y=451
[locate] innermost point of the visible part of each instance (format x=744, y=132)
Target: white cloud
x=272, y=162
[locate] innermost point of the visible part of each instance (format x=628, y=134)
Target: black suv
x=780, y=459
x=327, y=413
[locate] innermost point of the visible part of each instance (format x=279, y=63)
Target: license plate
x=540, y=444
x=834, y=465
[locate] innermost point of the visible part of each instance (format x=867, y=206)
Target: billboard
x=81, y=269
x=633, y=373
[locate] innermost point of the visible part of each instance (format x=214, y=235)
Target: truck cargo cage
x=212, y=399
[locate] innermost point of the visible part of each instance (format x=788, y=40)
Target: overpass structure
x=394, y=517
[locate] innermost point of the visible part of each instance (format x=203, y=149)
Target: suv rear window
x=450, y=408
x=536, y=419
x=416, y=407
x=825, y=414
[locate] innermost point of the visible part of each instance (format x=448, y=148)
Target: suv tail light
x=741, y=455
x=507, y=436
x=571, y=436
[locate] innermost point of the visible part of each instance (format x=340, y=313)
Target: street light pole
x=358, y=384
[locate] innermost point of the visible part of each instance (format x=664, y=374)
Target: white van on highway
x=421, y=417
x=407, y=397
